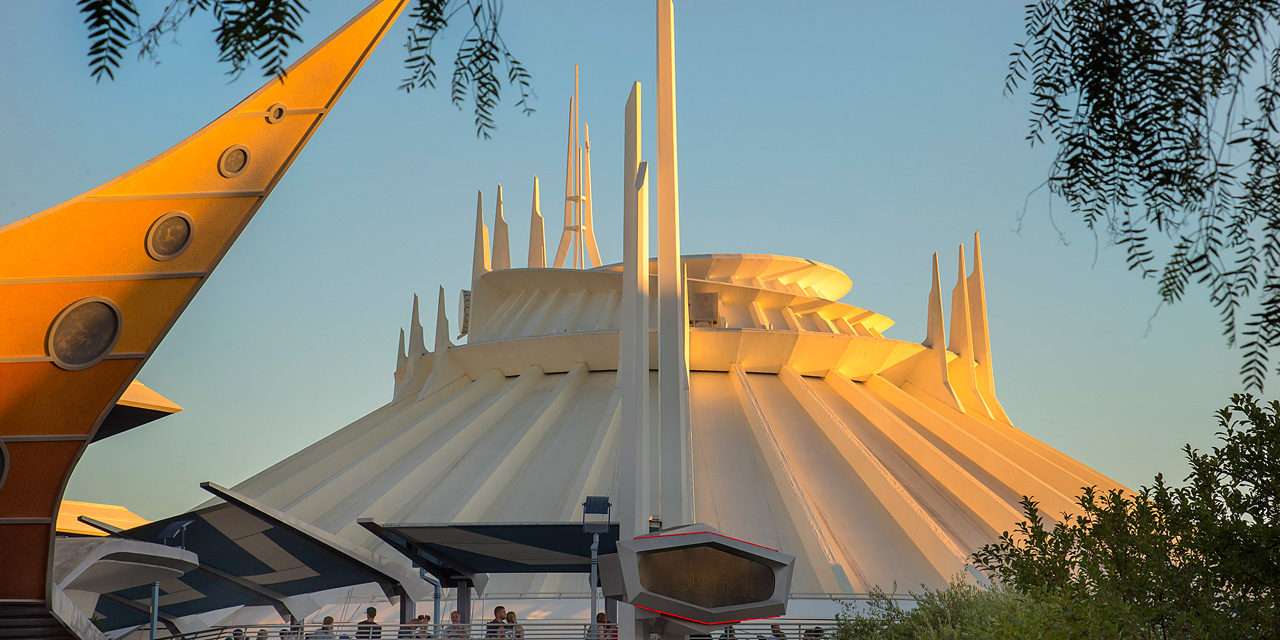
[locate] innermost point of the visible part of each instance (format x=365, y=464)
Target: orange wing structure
x=89, y=287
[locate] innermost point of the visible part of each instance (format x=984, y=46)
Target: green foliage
x=1164, y=115
x=263, y=31
x=965, y=612
x=109, y=22
x=1201, y=560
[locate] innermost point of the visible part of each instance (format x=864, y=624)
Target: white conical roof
x=811, y=431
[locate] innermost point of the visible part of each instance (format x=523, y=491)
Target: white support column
x=501, y=237
x=676, y=499
x=537, y=231
x=562, y=248
x=633, y=357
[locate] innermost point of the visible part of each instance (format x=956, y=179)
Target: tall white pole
x=633, y=348
x=676, y=499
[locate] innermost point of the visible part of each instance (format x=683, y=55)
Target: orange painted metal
x=97, y=246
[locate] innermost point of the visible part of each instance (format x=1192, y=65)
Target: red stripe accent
x=710, y=533
x=694, y=620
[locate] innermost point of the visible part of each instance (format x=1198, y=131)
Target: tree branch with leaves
x=262, y=32
x=1164, y=118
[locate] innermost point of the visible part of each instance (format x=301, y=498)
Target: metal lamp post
x=595, y=506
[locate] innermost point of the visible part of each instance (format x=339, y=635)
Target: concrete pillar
x=408, y=608
x=464, y=600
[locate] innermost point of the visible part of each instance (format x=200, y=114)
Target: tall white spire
x=588, y=227
x=633, y=350
x=676, y=500
x=537, y=232
x=962, y=370
x=480, y=253
x=570, y=172
x=578, y=239
x=501, y=237
x=930, y=372
x=982, y=334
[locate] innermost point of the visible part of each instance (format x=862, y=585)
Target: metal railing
x=775, y=629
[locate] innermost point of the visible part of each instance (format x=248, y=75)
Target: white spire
x=480, y=254
x=676, y=499
x=961, y=333
x=934, y=332
x=961, y=371
x=566, y=234
x=417, y=345
x=501, y=238
x=442, y=326
x=578, y=236
x=930, y=372
x=977, y=286
x=537, y=233
x=401, y=358
x=588, y=227
x=633, y=351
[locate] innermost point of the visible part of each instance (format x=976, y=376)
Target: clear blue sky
x=862, y=135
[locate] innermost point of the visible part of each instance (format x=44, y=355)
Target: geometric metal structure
x=698, y=578
x=464, y=551
x=249, y=556
x=89, y=287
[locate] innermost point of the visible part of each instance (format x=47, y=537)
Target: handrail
x=774, y=629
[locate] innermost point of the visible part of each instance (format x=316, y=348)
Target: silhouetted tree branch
x=262, y=32
x=1164, y=118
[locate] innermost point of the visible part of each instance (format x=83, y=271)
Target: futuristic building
x=777, y=411
x=762, y=402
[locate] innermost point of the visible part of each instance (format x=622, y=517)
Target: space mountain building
x=776, y=411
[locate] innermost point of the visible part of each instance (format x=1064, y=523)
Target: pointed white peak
x=480, y=255
x=537, y=231
x=978, y=306
x=934, y=337
x=501, y=237
x=588, y=224
x=961, y=332
x=417, y=345
x=442, y=326
x=401, y=358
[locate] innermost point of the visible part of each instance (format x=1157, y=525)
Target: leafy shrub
x=1201, y=560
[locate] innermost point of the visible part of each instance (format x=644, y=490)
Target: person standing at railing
x=455, y=630
x=325, y=632
x=514, y=631
x=607, y=629
x=496, y=628
x=420, y=628
x=369, y=629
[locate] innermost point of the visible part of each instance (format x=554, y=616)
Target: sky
x=863, y=135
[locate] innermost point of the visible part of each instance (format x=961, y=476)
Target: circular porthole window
x=233, y=161
x=169, y=235
x=276, y=113
x=83, y=333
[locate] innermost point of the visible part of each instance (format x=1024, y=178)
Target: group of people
x=505, y=625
